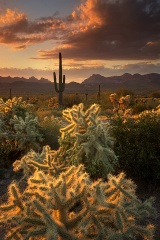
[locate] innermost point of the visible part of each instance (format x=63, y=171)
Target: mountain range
x=140, y=84
x=135, y=82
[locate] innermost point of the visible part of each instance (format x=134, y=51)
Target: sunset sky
x=107, y=37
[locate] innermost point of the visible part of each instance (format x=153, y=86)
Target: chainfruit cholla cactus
x=62, y=202
x=121, y=105
x=19, y=130
x=11, y=104
x=73, y=207
x=26, y=132
x=21, y=133
x=44, y=161
x=86, y=140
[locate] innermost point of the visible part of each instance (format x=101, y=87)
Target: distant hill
x=136, y=82
x=25, y=87
x=140, y=84
x=22, y=79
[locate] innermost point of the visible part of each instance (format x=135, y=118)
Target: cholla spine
x=44, y=161
x=11, y=104
x=26, y=131
x=121, y=105
x=19, y=130
x=108, y=210
x=86, y=140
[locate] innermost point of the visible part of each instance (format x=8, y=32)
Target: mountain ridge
x=135, y=82
x=124, y=77
x=10, y=79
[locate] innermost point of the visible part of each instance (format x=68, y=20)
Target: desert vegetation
x=77, y=170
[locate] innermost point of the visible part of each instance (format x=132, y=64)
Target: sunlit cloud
x=10, y=17
x=96, y=30
x=111, y=30
x=18, y=32
x=86, y=17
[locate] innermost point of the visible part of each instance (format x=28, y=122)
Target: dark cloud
x=124, y=29
x=101, y=29
x=140, y=67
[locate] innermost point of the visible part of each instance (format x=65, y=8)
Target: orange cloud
x=18, y=32
x=11, y=16
x=96, y=29
x=116, y=29
x=153, y=43
x=86, y=17
x=88, y=12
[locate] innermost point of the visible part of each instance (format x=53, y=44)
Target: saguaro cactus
x=59, y=87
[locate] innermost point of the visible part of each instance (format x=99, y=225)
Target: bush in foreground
x=73, y=207
x=137, y=145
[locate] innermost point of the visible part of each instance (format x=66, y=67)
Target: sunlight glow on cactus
x=44, y=161
x=11, y=103
x=86, y=140
x=73, y=207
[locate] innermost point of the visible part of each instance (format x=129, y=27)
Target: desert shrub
x=19, y=131
x=123, y=92
x=48, y=112
x=155, y=94
x=71, y=99
x=71, y=206
x=56, y=112
x=137, y=145
x=86, y=140
x=138, y=108
x=103, y=101
x=40, y=102
x=50, y=129
x=145, y=103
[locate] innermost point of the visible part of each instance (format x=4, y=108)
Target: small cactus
x=99, y=93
